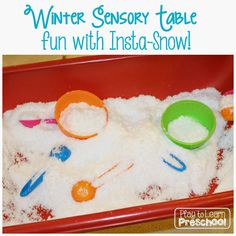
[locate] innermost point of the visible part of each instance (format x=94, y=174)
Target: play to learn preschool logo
x=202, y=218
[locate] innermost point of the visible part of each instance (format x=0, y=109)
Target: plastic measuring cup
x=227, y=106
x=195, y=110
x=77, y=96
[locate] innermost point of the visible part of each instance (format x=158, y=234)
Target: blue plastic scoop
x=62, y=153
x=32, y=184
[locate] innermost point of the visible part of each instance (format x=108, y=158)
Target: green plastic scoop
x=194, y=110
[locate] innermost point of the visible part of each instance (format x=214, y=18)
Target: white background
x=213, y=34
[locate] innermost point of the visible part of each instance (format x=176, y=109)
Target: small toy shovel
x=62, y=153
x=31, y=123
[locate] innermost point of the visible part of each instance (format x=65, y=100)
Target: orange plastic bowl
x=76, y=97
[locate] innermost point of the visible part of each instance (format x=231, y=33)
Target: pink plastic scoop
x=229, y=92
x=32, y=123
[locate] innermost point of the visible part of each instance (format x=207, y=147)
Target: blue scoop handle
x=182, y=167
x=31, y=185
x=62, y=153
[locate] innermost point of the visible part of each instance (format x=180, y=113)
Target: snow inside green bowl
x=195, y=110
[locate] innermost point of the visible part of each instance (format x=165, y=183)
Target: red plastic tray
x=112, y=76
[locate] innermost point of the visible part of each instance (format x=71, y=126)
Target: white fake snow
x=82, y=119
x=133, y=136
x=187, y=130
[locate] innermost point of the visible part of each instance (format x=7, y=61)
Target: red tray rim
x=84, y=59
x=122, y=216
x=65, y=62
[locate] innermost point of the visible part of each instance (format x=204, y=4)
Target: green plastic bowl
x=194, y=110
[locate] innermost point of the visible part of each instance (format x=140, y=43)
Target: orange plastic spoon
x=83, y=191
